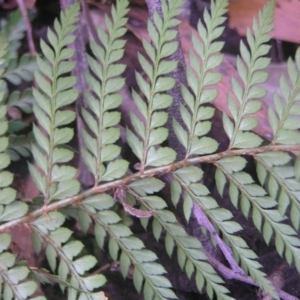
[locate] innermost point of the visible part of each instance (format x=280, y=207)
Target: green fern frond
x=284, y=120
x=104, y=84
x=250, y=71
x=22, y=100
x=123, y=245
x=20, y=70
x=19, y=146
x=150, y=129
x=12, y=276
x=189, y=254
x=10, y=209
x=265, y=216
x=200, y=77
x=14, y=28
x=275, y=172
x=185, y=181
x=56, y=91
x=48, y=230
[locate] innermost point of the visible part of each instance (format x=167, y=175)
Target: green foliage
x=270, y=198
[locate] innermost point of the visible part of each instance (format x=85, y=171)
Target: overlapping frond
x=55, y=92
x=101, y=117
x=201, y=77
x=247, y=88
x=266, y=218
x=64, y=257
x=189, y=254
x=186, y=182
x=275, y=171
x=124, y=246
x=149, y=127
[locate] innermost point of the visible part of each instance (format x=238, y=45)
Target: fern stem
x=230, y=274
x=226, y=250
x=75, y=200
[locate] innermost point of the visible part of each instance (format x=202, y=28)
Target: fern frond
x=250, y=71
x=19, y=70
x=185, y=181
x=150, y=129
x=22, y=100
x=275, y=172
x=54, y=181
x=265, y=217
x=123, y=245
x=48, y=230
x=10, y=208
x=189, y=254
x=11, y=274
x=200, y=77
x=104, y=84
x=285, y=119
x=14, y=28
x=19, y=146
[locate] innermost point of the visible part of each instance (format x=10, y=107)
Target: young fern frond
x=200, y=77
x=104, y=84
x=150, y=130
x=284, y=121
x=250, y=71
x=54, y=181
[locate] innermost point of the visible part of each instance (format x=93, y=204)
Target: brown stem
x=147, y=173
x=226, y=250
x=230, y=274
x=28, y=27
